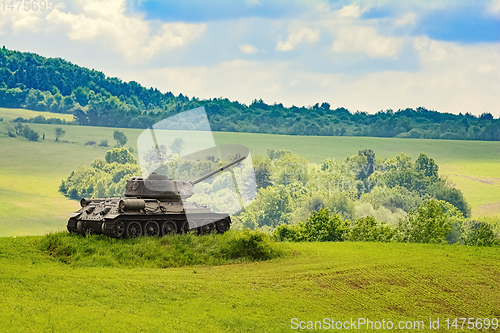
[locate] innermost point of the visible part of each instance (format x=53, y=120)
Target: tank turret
x=152, y=206
x=163, y=188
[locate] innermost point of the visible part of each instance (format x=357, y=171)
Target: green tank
x=152, y=206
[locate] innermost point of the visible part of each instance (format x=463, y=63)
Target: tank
x=152, y=206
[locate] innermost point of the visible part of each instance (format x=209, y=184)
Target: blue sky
x=363, y=55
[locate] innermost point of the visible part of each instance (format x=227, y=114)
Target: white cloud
x=408, y=19
x=247, y=48
x=16, y=22
x=350, y=11
x=106, y=22
x=453, y=78
x=366, y=40
x=298, y=36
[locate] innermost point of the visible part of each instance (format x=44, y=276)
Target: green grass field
x=397, y=282
x=11, y=114
x=31, y=172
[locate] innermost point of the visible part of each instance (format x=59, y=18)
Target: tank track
x=72, y=225
x=132, y=227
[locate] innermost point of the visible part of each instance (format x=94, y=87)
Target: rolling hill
x=391, y=282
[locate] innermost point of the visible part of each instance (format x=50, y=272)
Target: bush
x=11, y=131
x=103, y=143
x=480, y=234
x=323, y=227
x=119, y=155
x=90, y=143
x=253, y=245
x=319, y=227
x=426, y=224
x=290, y=233
x=367, y=229
x=160, y=252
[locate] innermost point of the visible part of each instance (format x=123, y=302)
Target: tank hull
x=146, y=218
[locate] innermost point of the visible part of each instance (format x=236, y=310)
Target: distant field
x=11, y=114
x=31, y=172
x=392, y=282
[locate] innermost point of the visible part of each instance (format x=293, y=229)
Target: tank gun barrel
x=202, y=178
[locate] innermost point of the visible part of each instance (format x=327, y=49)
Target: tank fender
x=75, y=214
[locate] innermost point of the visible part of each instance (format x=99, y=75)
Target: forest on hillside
x=34, y=82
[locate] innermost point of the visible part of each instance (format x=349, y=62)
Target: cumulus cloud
x=453, y=78
x=249, y=49
x=15, y=22
x=366, y=40
x=350, y=11
x=298, y=36
x=107, y=21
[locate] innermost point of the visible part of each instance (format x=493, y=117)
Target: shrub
x=480, y=234
x=90, y=143
x=426, y=224
x=103, y=143
x=119, y=155
x=291, y=233
x=319, y=227
x=254, y=245
x=368, y=230
x=160, y=252
x=323, y=227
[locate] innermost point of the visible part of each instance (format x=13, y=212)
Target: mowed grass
x=31, y=172
x=397, y=282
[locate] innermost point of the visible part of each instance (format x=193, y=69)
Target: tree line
x=362, y=198
x=34, y=82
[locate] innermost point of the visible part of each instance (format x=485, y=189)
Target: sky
x=362, y=55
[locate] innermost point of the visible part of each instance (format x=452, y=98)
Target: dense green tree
x=427, y=165
x=425, y=224
x=120, y=156
x=120, y=137
x=480, y=234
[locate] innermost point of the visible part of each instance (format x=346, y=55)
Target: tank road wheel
x=80, y=227
x=134, y=229
x=119, y=229
x=168, y=228
x=206, y=228
x=152, y=229
x=185, y=227
x=222, y=226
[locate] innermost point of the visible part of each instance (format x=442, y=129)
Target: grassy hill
x=31, y=172
x=397, y=282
